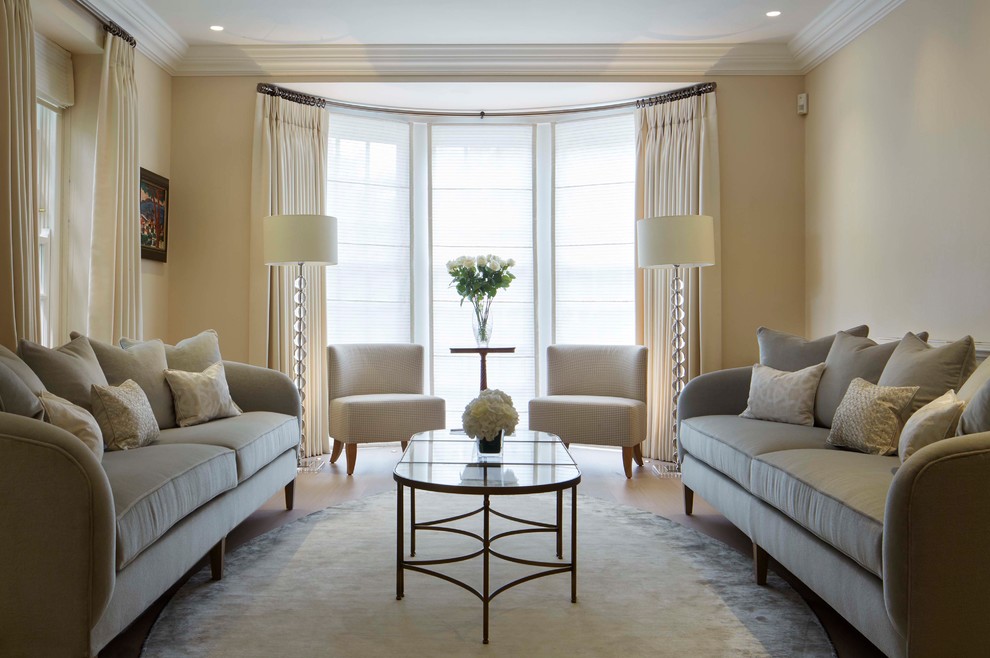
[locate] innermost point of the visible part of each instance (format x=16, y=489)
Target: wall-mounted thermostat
x=802, y=104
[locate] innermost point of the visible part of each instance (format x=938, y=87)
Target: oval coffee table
x=530, y=463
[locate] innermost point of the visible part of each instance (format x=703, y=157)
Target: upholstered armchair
x=596, y=395
x=376, y=395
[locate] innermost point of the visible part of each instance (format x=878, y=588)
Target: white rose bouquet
x=479, y=279
x=488, y=414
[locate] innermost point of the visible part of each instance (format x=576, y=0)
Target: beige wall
x=762, y=161
x=898, y=176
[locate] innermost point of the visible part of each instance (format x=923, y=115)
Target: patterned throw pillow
x=935, y=421
x=784, y=397
x=125, y=415
x=201, y=396
x=73, y=419
x=869, y=417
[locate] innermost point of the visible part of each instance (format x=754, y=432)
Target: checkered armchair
x=376, y=395
x=596, y=395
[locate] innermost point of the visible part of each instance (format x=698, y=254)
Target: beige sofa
x=86, y=547
x=900, y=551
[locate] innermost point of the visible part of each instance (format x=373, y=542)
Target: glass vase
x=490, y=447
x=482, y=329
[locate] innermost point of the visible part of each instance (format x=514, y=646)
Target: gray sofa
x=86, y=547
x=898, y=550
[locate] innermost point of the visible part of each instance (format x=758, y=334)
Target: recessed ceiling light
x=219, y=28
x=773, y=14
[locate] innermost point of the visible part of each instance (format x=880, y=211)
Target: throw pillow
x=125, y=416
x=850, y=357
x=73, y=419
x=788, y=352
x=16, y=397
x=784, y=397
x=145, y=364
x=22, y=370
x=935, y=421
x=201, y=396
x=69, y=371
x=869, y=418
x=194, y=354
x=975, y=381
x=976, y=417
x=934, y=369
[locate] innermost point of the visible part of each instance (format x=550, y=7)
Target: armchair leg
x=627, y=457
x=351, y=450
x=335, y=451
x=403, y=444
x=216, y=559
x=760, y=560
x=638, y=454
x=688, y=501
x=290, y=491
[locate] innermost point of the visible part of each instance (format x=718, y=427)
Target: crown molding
x=491, y=60
x=840, y=23
x=155, y=38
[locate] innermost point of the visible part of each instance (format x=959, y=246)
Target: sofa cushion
x=782, y=396
x=22, y=370
x=157, y=486
x=870, y=417
x=68, y=371
x=16, y=397
x=125, y=416
x=785, y=351
x=935, y=369
x=836, y=495
x=194, y=354
x=729, y=443
x=384, y=416
x=256, y=437
x=976, y=417
x=593, y=419
x=201, y=396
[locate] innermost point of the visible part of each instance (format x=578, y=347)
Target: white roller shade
x=53, y=72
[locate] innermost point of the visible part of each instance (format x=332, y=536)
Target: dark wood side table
x=484, y=352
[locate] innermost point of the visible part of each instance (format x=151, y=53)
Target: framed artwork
x=154, y=216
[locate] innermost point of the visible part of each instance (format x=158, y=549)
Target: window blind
x=482, y=203
x=594, y=231
x=368, y=291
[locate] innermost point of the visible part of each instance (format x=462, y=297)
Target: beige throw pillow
x=869, y=418
x=201, y=396
x=125, y=416
x=783, y=397
x=935, y=421
x=73, y=419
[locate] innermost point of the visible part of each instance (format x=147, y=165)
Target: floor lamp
x=677, y=242
x=300, y=240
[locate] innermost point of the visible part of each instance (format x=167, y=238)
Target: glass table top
x=529, y=461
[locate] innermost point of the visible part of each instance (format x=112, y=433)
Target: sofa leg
x=335, y=451
x=216, y=559
x=290, y=492
x=627, y=457
x=688, y=501
x=351, y=450
x=638, y=454
x=760, y=560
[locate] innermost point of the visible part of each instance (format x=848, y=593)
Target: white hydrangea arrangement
x=488, y=414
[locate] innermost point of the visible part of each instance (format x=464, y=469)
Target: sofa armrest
x=936, y=538
x=57, y=540
x=723, y=392
x=254, y=388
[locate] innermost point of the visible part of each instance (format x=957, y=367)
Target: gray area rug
x=324, y=585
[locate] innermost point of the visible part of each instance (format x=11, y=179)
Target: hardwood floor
x=602, y=477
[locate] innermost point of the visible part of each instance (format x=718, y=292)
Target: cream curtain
x=115, y=272
x=290, y=177
x=677, y=174
x=19, y=294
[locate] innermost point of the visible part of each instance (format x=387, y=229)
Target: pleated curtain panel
x=115, y=274
x=290, y=177
x=677, y=174
x=19, y=293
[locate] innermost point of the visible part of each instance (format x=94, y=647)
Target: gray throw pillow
x=975, y=381
x=976, y=417
x=194, y=354
x=69, y=371
x=124, y=415
x=783, y=397
x=784, y=351
x=850, y=357
x=870, y=417
x=934, y=369
x=22, y=370
x=145, y=364
x=16, y=397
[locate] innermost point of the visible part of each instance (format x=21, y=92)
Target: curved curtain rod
x=108, y=25
x=322, y=103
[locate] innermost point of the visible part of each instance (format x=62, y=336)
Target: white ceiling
x=480, y=22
